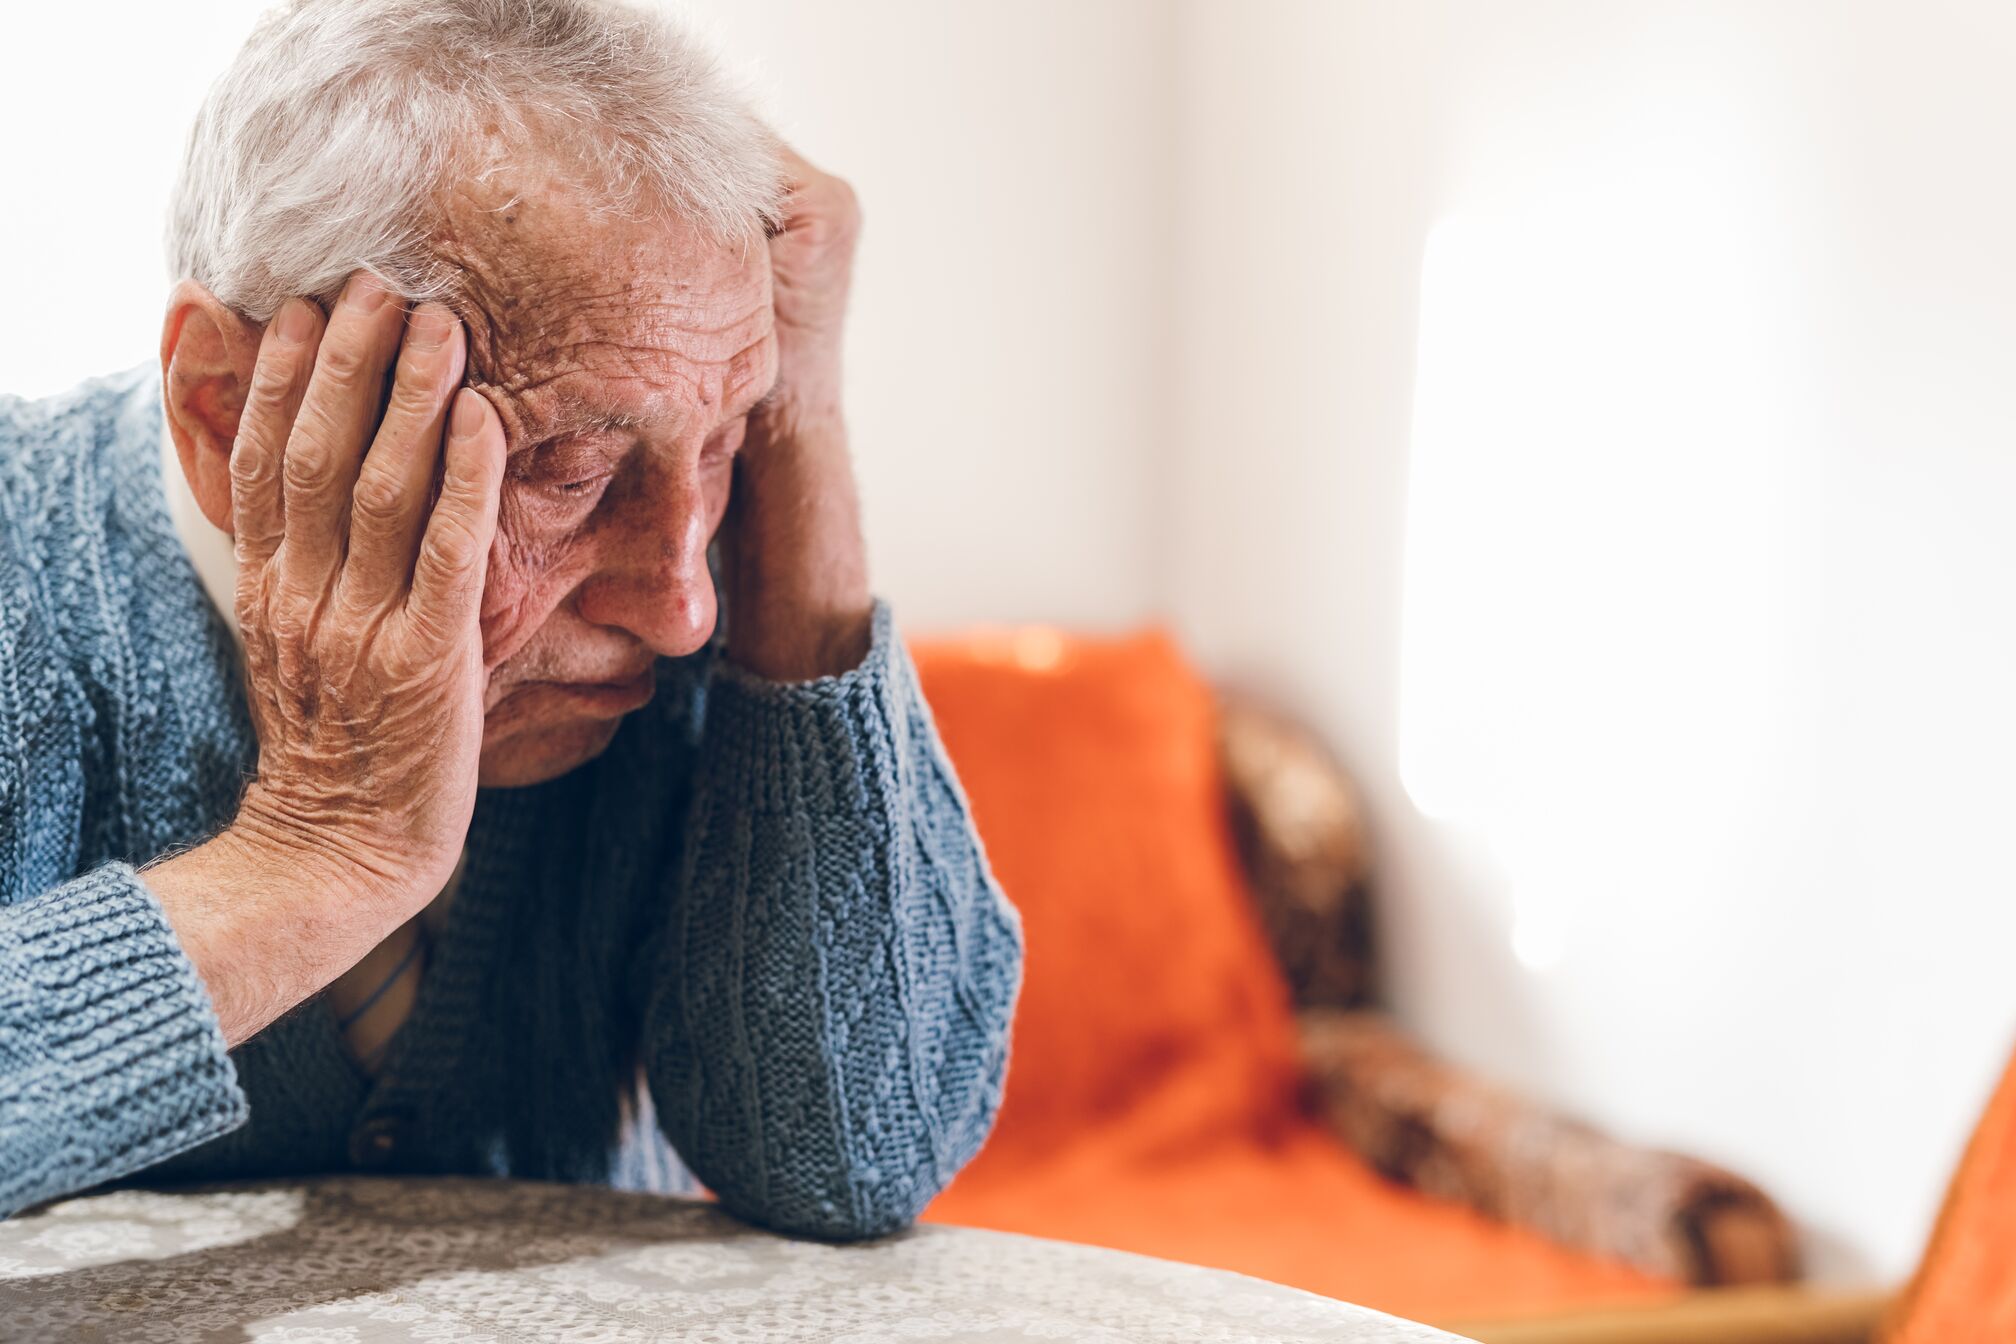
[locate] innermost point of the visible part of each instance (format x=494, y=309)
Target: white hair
x=326, y=145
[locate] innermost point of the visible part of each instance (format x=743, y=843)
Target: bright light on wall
x=1594, y=526
x=1694, y=632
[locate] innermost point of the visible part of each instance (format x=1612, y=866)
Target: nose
x=651, y=575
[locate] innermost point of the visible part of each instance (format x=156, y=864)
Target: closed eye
x=570, y=469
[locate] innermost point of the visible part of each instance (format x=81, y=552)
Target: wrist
x=275, y=832
x=799, y=605
x=827, y=644
x=265, y=921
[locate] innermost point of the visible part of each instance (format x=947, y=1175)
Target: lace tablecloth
x=359, y=1260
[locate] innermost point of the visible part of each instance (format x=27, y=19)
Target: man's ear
x=207, y=354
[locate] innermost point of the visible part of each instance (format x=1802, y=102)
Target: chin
x=540, y=730
x=533, y=755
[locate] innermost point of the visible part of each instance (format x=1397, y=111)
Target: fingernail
x=430, y=329
x=468, y=416
x=293, y=323
x=365, y=292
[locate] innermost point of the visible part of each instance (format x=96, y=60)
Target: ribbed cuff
x=832, y=742
x=110, y=1049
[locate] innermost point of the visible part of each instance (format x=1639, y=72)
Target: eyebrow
x=587, y=422
x=574, y=417
x=571, y=422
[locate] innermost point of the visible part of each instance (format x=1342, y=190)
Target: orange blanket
x=1153, y=1092
x=1965, y=1288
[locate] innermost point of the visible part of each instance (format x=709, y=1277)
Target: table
x=364, y=1260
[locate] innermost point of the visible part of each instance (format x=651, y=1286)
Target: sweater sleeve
x=110, y=1054
x=826, y=1035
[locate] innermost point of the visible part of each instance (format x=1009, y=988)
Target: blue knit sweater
x=759, y=926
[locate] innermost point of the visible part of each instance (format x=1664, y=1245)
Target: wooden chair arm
x=1773, y=1315
x=1458, y=1137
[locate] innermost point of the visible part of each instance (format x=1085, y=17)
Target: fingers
x=279, y=379
x=338, y=413
x=455, y=550
x=796, y=167
x=388, y=508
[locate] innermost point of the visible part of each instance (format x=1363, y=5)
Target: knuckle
x=342, y=365
x=832, y=233
x=412, y=398
x=251, y=463
x=402, y=660
x=378, y=497
x=464, y=500
x=429, y=633
x=436, y=624
x=286, y=623
x=308, y=469
x=844, y=207
x=449, y=549
x=250, y=607
x=272, y=376
x=461, y=495
x=317, y=424
x=251, y=538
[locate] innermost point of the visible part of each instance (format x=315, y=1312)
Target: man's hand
x=811, y=270
x=795, y=568
x=358, y=593
x=357, y=601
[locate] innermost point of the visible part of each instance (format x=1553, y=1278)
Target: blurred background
x=1596, y=420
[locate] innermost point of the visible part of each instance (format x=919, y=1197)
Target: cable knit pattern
x=110, y=1058
x=829, y=846
x=756, y=938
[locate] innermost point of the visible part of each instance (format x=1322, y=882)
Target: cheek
x=527, y=578
x=541, y=554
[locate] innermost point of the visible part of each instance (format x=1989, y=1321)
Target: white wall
x=1599, y=417
x=95, y=104
x=1006, y=345
x=1009, y=331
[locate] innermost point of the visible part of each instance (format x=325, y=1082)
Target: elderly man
x=448, y=728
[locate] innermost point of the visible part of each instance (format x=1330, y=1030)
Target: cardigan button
x=375, y=1142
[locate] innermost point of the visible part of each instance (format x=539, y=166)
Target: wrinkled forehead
x=580, y=319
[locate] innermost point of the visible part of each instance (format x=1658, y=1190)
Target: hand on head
x=360, y=582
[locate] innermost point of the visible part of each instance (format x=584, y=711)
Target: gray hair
x=325, y=147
